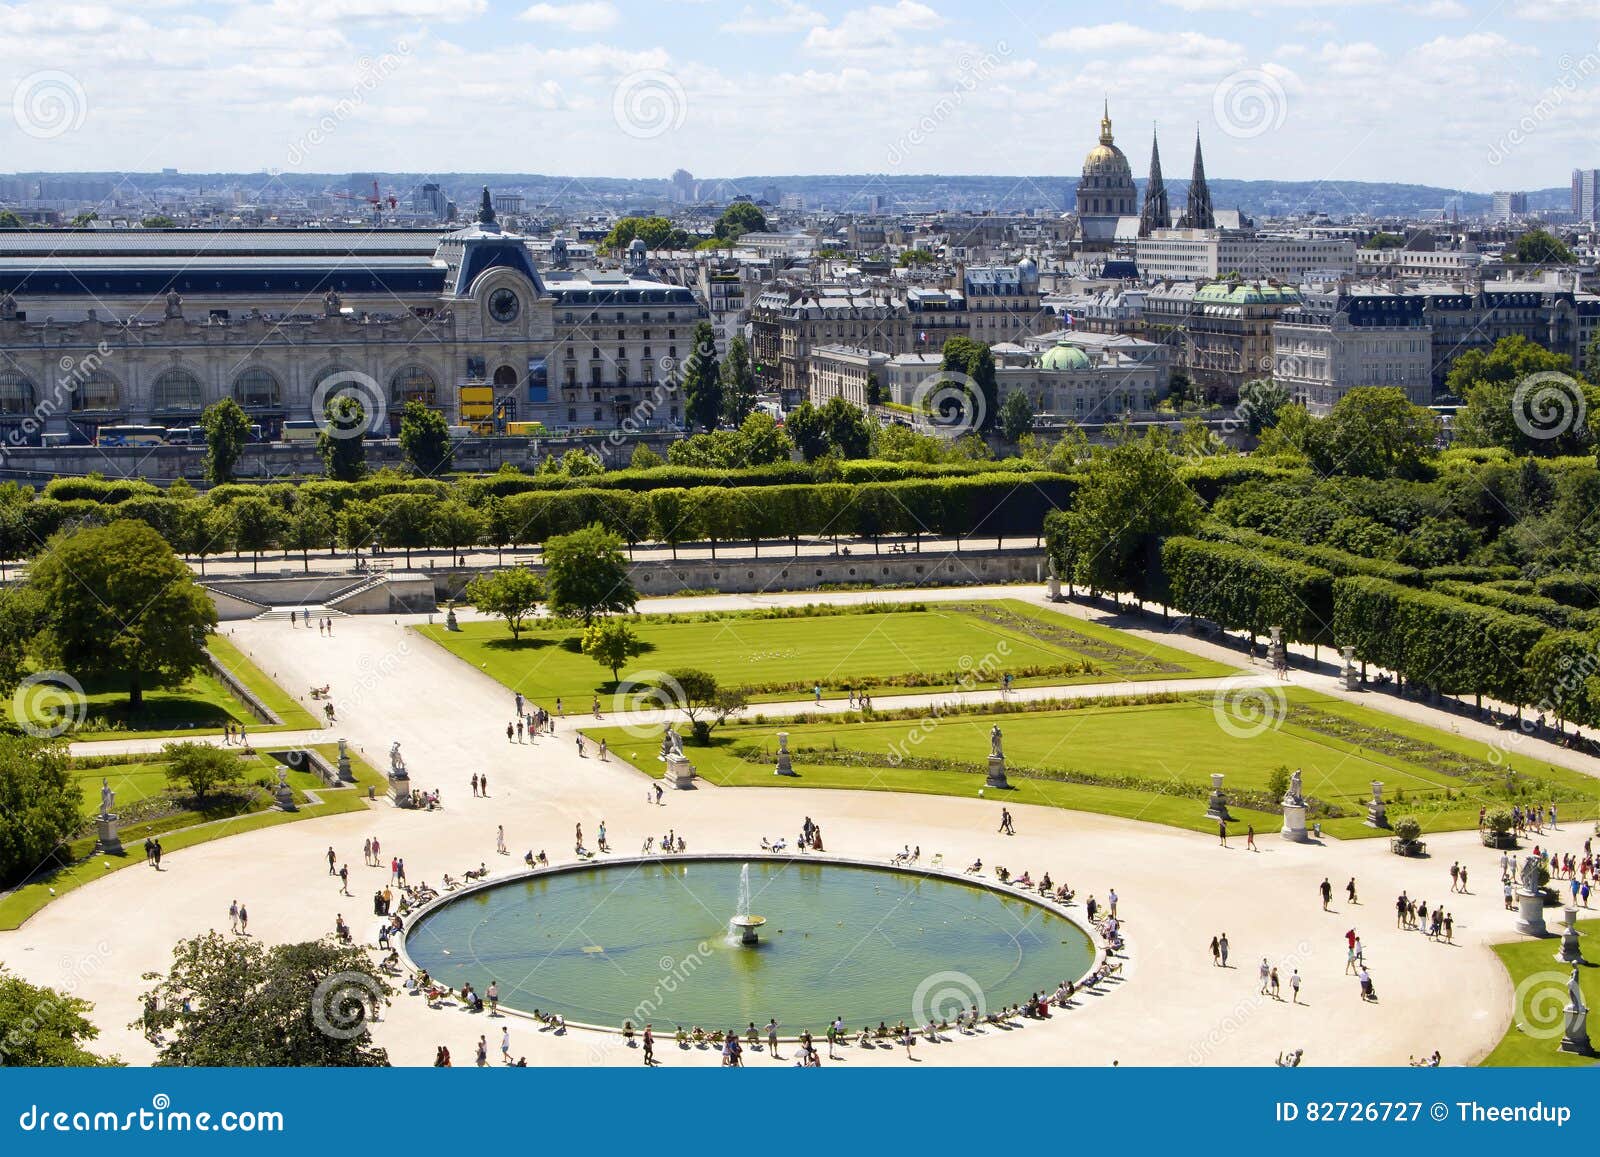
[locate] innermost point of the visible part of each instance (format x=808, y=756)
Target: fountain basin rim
x=1091, y=933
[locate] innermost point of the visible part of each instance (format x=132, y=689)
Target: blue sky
x=1462, y=93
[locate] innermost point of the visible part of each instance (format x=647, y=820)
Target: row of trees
x=341, y=442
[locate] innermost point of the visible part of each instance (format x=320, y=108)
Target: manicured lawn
x=913, y=650
x=200, y=706
x=1540, y=983
x=1138, y=756
x=182, y=829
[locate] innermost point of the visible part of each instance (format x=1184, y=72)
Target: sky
x=1466, y=94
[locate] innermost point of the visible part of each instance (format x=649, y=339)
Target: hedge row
x=1340, y=563
x=1547, y=611
x=1249, y=590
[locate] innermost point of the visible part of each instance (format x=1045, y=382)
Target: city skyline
x=1487, y=98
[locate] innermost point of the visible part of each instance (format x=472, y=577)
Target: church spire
x=1197, y=213
x=1105, y=123
x=1157, y=212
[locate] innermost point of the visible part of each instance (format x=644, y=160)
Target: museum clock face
x=504, y=306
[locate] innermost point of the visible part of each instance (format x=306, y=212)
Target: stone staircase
x=316, y=611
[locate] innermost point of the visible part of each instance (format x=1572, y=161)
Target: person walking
x=332, y=862
x=510, y=733
x=1327, y=893
x=1222, y=832
x=1266, y=972
x=649, y=1045
x=157, y=854
x=1250, y=838
x=483, y=1051
x=1222, y=946
x=493, y=995
x=1216, y=953
x=1455, y=875
x=474, y=785
x=505, y=1045
x=344, y=879
x=244, y=921
x=483, y=785
x=1272, y=984
x=500, y=839
x=1350, y=890
x=1006, y=827
x=233, y=916
x=1294, y=987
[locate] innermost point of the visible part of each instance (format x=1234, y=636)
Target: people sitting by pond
x=1044, y=884
x=535, y=860
x=451, y=883
x=1290, y=1059
x=681, y=1037
x=391, y=963
x=481, y=873
x=1024, y=880
x=776, y=845
x=975, y=867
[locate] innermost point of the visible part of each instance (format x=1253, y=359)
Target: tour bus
x=526, y=430
x=186, y=436
x=55, y=439
x=130, y=436
x=301, y=430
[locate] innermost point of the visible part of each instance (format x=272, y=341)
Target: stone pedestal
x=1571, y=949
x=106, y=838
x=1377, y=814
x=284, y=794
x=1348, y=671
x=1294, y=823
x=1054, y=583
x=783, y=767
x=1217, y=806
x=680, y=772
x=997, y=772
x=1277, y=650
x=450, y=623
x=1575, y=1034
x=400, y=787
x=1530, y=913
x=346, y=772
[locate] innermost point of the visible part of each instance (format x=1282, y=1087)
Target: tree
x=611, y=643
x=512, y=594
x=974, y=362
x=1260, y=402
x=702, y=382
x=1375, y=432
x=846, y=428
x=40, y=806
x=1524, y=397
x=740, y=218
x=117, y=602
x=1016, y=416
x=738, y=383
x=227, y=429
x=9, y=220
x=580, y=463
x=657, y=233
x=342, y=440
x=455, y=524
x=201, y=768
x=499, y=531
x=231, y=1001
x=916, y=258
x=587, y=574
x=644, y=458
x=310, y=527
x=21, y=619
x=705, y=702
x=404, y=521
x=83, y=219
x=1131, y=499
x=257, y=525
x=806, y=430
x=425, y=439
x=45, y=1029
x=1540, y=247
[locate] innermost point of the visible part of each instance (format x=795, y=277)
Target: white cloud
x=589, y=16
x=777, y=17
x=870, y=31
x=1440, y=9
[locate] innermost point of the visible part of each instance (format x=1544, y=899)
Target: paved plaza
x=1168, y=1006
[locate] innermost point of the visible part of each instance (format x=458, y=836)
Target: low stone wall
x=304, y=759
x=246, y=696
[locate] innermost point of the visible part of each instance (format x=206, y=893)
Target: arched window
x=16, y=394
x=413, y=384
x=505, y=376
x=257, y=388
x=176, y=390
x=97, y=392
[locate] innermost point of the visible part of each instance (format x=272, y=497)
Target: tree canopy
x=512, y=594
x=587, y=574
x=425, y=439
x=227, y=429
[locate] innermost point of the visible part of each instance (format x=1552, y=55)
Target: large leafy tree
x=310, y=527
x=1016, y=416
x=975, y=361
x=1260, y=402
x=40, y=806
x=201, y=767
x=806, y=429
x=257, y=525
x=738, y=382
x=1525, y=398
x=230, y=1001
x=404, y=521
x=1540, y=247
x=342, y=440
x=44, y=1028
x=512, y=594
x=117, y=602
x=586, y=574
x=705, y=701
x=1375, y=432
x=227, y=429
x=1130, y=500
x=425, y=439
x=740, y=218
x=455, y=524
x=657, y=232
x=702, y=380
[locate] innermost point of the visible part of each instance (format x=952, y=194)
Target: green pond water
x=650, y=942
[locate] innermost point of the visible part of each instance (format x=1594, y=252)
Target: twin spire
x=1157, y=212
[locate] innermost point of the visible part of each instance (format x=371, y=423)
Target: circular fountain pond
x=659, y=941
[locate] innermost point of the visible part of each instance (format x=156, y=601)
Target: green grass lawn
x=143, y=782
x=202, y=705
x=1540, y=983
x=1164, y=749
x=912, y=650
